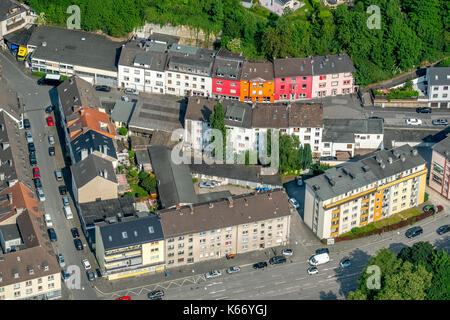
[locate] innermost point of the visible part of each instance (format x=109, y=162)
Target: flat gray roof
x=344, y=130
x=122, y=111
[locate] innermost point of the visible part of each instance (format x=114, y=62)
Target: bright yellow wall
x=147, y=252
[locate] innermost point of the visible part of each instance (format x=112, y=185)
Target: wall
x=97, y=188
x=327, y=80
x=298, y=90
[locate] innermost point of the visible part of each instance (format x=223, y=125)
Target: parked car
x=51, y=151
x=58, y=175
x=41, y=195
x=440, y=122
x=429, y=207
x=377, y=118
x=52, y=234
x=124, y=298
x=36, y=173
x=443, y=229
x=32, y=158
x=319, y=259
x=155, y=294
x=48, y=220
x=51, y=139
x=322, y=250
x=78, y=244
x=294, y=202
x=61, y=261
x=62, y=190
x=345, y=262
x=103, y=88
x=125, y=98
x=287, y=252
x=260, y=265
x=49, y=109
x=31, y=147
x=235, y=269
x=414, y=232
x=299, y=181
x=207, y=184
x=74, y=232
x=50, y=121
x=277, y=260
x=26, y=124
x=29, y=136
x=65, y=274
x=414, y=121
x=86, y=264
x=38, y=183
x=229, y=256
x=213, y=274
x=312, y=270
x=423, y=110
x=131, y=91
x=90, y=275
x=65, y=201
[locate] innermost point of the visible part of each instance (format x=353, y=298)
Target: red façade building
x=293, y=78
x=226, y=75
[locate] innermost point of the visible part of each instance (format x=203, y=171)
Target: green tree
x=306, y=156
x=142, y=175
x=440, y=284
x=148, y=183
x=234, y=45
x=131, y=154
x=217, y=121
x=289, y=153
x=420, y=253
x=123, y=131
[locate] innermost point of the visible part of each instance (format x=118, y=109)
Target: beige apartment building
x=234, y=225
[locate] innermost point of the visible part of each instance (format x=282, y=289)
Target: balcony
x=334, y=234
x=335, y=226
x=365, y=200
x=335, y=219
x=365, y=208
x=364, y=214
x=336, y=210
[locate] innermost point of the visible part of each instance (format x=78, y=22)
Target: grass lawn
x=135, y=189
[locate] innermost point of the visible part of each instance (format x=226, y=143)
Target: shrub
x=426, y=197
x=131, y=154
x=123, y=131
x=194, y=180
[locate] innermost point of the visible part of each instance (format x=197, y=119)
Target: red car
x=124, y=298
x=36, y=173
x=50, y=122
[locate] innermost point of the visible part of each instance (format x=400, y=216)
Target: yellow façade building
x=357, y=193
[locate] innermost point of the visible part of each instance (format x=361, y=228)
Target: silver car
x=29, y=136
x=213, y=274
x=131, y=91
x=207, y=184
x=235, y=269
x=61, y=261
x=51, y=139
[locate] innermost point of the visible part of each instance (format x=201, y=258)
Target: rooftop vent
x=414, y=152
x=230, y=202
x=403, y=158
x=390, y=160
x=316, y=187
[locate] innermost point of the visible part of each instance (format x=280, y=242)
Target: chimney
x=192, y=208
x=105, y=173
x=10, y=198
x=246, y=202
x=230, y=202
x=211, y=205
x=270, y=195
x=119, y=217
x=84, y=154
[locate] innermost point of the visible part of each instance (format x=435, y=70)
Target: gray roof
x=155, y=47
x=97, y=211
x=183, y=49
x=93, y=141
x=122, y=111
x=354, y=175
x=292, y=67
x=67, y=46
x=344, y=130
x=237, y=172
x=76, y=92
x=10, y=232
x=133, y=53
x=6, y=5
x=174, y=180
x=21, y=36
x=86, y=170
x=443, y=147
x=439, y=76
x=133, y=232
x=189, y=59
x=331, y=64
x=162, y=37
x=142, y=157
x=213, y=196
x=227, y=65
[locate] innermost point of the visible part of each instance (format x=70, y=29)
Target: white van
x=319, y=259
x=48, y=220
x=68, y=212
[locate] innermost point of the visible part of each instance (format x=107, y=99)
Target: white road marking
x=259, y=287
x=222, y=298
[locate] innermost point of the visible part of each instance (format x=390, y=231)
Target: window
x=202, y=233
x=50, y=278
x=126, y=70
x=28, y=283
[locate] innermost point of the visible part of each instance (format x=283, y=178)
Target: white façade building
x=188, y=70
x=141, y=66
x=438, y=79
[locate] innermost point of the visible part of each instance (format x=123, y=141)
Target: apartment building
x=440, y=168
x=13, y=17
x=358, y=193
x=293, y=78
x=188, y=70
x=343, y=138
x=257, y=82
x=141, y=66
x=130, y=247
x=332, y=75
x=239, y=224
x=226, y=75
x=438, y=79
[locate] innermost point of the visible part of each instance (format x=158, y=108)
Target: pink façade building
x=293, y=78
x=332, y=75
x=226, y=75
x=440, y=168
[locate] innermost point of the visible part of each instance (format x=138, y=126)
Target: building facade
x=440, y=168
x=257, y=82
x=438, y=79
x=293, y=78
x=365, y=191
x=226, y=75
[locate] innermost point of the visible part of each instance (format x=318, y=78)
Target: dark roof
x=353, y=175
x=142, y=157
x=246, y=209
x=133, y=232
x=165, y=38
x=76, y=92
x=132, y=53
x=85, y=170
x=236, y=171
x=97, y=211
x=213, y=196
x=6, y=5
x=67, y=46
x=439, y=76
x=227, y=65
x=256, y=71
x=443, y=147
x=122, y=111
x=174, y=180
x=344, y=130
x=331, y=64
x=237, y=114
x=10, y=232
x=288, y=115
x=93, y=141
x=292, y=67
x=20, y=37
x=10, y=101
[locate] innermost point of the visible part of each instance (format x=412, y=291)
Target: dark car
x=90, y=275
x=322, y=250
x=62, y=190
x=98, y=273
x=156, y=294
x=414, y=232
x=277, y=260
x=377, y=118
x=260, y=265
x=74, y=232
x=51, y=151
x=345, y=263
x=103, y=88
x=440, y=122
x=52, y=234
x=49, y=109
x=423, y=110
x=26, y=124
x=33, y=160
x=31, y=147
x=38, y=183
x=78, y=244
x=443, y=229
